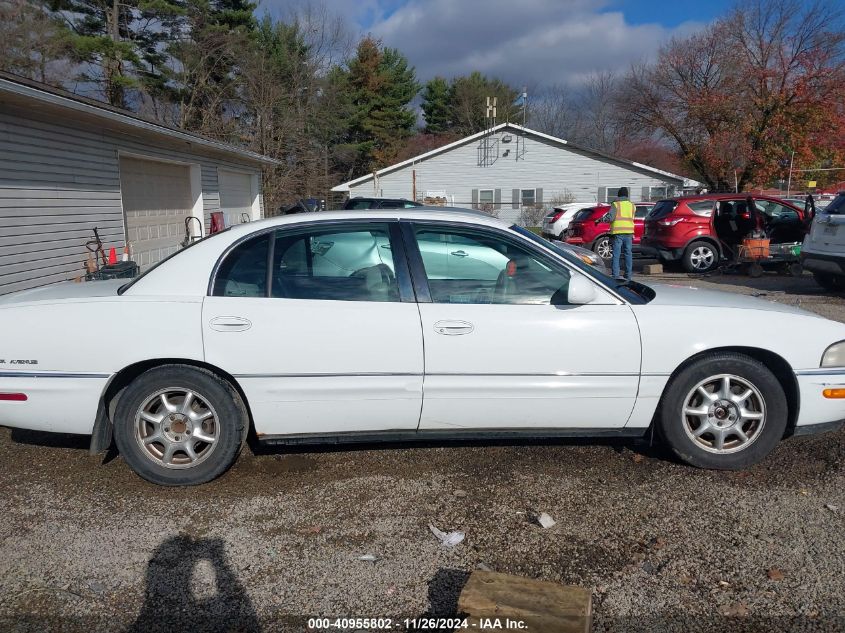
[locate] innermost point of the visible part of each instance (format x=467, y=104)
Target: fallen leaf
x=775, y=574
x=658, y=543
x=685, y=579
x=724, y=583
x=804, y=491
x=637, y=458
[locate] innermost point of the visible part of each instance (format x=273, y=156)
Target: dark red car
x=590, y=228
x=699, y=230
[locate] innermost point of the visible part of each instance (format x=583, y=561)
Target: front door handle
x=453, y=328
x=229, y=324
x=460, y=253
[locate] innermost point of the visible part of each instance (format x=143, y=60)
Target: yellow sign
x=811, y=183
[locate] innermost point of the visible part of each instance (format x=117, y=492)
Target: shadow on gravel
x=51, y=440
x=169, y=600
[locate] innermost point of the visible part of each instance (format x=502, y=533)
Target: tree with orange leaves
x=741, y=96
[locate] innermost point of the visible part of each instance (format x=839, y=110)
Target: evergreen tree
x=435, y=106
x=380, y=84
x=468, y=102
x=118, y=43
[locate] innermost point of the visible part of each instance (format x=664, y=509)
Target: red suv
x=590, y=228
x=697, y=229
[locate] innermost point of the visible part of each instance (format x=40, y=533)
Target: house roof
x=19, y=87
x=517, y=128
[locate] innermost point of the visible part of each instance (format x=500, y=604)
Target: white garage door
x=235, y=195
x=156, y=201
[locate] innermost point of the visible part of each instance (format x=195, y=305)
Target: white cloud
x=533, y=42
x=521, y=41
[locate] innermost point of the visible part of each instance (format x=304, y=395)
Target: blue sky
x=524, y=42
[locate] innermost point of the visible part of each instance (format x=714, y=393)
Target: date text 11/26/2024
x=416, y=624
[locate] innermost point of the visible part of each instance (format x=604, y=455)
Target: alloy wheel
x=604, y=249
x=177, y=428
x=724, y=414
x=702, y=257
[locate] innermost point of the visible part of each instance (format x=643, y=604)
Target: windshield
x=837, y=206
x=582, y=215
x=127, y=286
x=631, y=291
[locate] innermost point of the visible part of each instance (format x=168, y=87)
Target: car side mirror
x=581, y=290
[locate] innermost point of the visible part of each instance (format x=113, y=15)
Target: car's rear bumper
x=823, y=263
x=815, y=410
x=654, y=248
x=60, y=402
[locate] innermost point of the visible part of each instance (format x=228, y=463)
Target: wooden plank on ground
x=543, y=607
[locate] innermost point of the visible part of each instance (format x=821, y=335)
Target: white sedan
x=405, y=324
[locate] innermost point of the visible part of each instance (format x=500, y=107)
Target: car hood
x=677, y=295
x=65, y=290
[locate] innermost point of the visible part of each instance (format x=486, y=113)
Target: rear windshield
x=662, y=209
x=837, y=206
x=583, y=214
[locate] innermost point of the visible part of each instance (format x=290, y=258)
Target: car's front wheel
x=178, y=425
x=725, y=411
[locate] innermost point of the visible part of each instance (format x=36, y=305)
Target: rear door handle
x=229, y=324
x=460, y=253
x=453, y=328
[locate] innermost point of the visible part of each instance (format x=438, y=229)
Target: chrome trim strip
x=821, y=371
x=455, y=374
x=51, y=374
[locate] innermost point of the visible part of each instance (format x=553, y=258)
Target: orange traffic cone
x=112, y=256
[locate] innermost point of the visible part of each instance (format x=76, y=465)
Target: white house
x=511, y=166
x=69, y=164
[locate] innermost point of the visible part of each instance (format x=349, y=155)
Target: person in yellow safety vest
x=621, y=217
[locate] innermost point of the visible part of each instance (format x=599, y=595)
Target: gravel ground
x=88, y=546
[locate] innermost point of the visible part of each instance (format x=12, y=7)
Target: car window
x=702, y=207
x=642, y=210
x=467, y=266
x=244, y=271
x=352, y=263
x=359, y=204
x=837, y=206
x=662, y=209
x=776, y=211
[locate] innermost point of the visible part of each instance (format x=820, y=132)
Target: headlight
x=834, y=356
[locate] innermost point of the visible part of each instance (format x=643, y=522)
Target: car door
x=318, y=325
x=506, y=351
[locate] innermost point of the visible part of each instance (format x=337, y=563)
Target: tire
x=700, y=257
x=830, y=281
x=761, y=416
x=215, y=412
x=603, y=247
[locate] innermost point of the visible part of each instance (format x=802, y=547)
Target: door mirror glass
x=581, y=290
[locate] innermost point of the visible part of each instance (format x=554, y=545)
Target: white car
x=823, y=251
x=405, y=324
x=558, y=219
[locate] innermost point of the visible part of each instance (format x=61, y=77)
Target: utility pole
x=789, y=181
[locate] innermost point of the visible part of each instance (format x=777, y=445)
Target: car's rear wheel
x=830, y=281
x=700, y=257
x=178, y=425
x=603, y=247
x=725, y=411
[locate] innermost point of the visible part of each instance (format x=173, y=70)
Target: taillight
x=670, y=221
x=556, y=216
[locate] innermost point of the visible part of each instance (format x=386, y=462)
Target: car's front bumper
x=815, y=410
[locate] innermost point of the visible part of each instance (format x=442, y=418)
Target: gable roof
x=516, y=128
x=21, y=87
